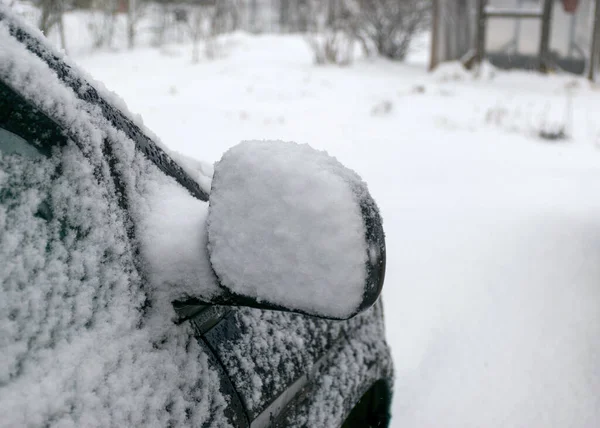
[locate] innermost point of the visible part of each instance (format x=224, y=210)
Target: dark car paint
x=220, y=330
x=237, y=330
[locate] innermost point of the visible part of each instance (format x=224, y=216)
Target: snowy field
x=492, y=294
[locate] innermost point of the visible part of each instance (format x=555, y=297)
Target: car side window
x=17, y=154
x=65, y=259
x=11, y=143
x=82, y=343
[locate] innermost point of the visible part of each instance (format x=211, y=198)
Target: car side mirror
x=291, y=228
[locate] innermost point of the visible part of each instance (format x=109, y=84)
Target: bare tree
x=302, y=13
x=206, y=20
x=235, y=6
x=101, y=22
x=226, y=16
x=52, y=13
x=135, y=11
x=167, y=18
x=331, y=30
x=284, y=15
x=293, y=15
x=253, y=15
x=201, y=27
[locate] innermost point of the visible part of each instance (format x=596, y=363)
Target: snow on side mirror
x=291, y=228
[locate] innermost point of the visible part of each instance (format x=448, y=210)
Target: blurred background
x=475, y=124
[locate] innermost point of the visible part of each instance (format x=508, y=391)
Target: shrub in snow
x=388, y=26
x=331, y=47
x=553, y=132
x=382, y=108
x=553, y=123
x=332, y=35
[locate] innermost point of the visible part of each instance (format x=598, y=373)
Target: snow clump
x=285, y=225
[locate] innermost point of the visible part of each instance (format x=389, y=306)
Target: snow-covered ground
x=492, y=293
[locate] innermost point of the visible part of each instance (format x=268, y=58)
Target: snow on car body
x=88, y=332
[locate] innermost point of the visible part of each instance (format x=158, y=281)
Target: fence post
x=544, y=53
x=595, y=43
x=481, y=28
x=435, y=22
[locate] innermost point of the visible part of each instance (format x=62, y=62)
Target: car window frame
x=22, y=118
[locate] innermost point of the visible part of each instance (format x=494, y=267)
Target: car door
x=297, y=370
x=64, y=263
x=83, y=340
x=268, y=354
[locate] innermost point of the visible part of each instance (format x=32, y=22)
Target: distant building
x=530, y=34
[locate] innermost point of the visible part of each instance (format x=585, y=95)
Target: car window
x=11, y=143
x=66, y=278
x=84, y=341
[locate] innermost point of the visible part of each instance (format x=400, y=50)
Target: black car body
x=86, y=339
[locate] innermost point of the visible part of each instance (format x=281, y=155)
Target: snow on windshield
x=84, y=340
x=285, y=226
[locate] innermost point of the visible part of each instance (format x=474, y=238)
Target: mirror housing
x=290, y=228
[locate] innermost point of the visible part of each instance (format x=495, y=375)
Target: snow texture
x=85, y=340
x=285, y=226
x=350, y=367
x=264, y=358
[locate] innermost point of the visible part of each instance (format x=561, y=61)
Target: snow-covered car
x=120, y=304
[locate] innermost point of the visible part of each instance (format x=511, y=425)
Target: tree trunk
x=254, y=16
x=61, y=30
x=284, y=15
x=46, y=9
x=131, y=21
